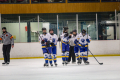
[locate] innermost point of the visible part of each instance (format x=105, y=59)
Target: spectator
x=105, y=35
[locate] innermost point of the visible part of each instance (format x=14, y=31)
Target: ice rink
x=32, y=69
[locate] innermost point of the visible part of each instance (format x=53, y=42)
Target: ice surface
x=32, y=69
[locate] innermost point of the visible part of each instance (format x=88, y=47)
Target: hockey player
x=54, y=39
x=65, y=45
x=46, y=47
x=83, y=41
x=76, y=45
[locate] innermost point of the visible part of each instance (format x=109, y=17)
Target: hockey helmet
x=43, y=29
x=83, y=31
x=51, y=30
x=65, y=28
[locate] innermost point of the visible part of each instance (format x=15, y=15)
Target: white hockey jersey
x=44, y=37
x=53, y=38
x=82, y=39
x=64, y=39
x=76, y=39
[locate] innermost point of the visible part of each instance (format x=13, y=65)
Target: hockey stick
x=95, y=58
x=90, y=51
x=59, y=37
x=87, y=38
x=38, y=33
x=59, y=42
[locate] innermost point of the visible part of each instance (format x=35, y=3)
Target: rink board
x=33, y=50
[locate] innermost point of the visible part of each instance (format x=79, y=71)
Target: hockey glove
x=48, y=44
x=76, y=42
x=88, y=40
x=59, y=39
x=42, y=42
x=69, y=36
x=52, y=44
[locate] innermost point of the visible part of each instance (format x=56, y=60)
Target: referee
x=8, y=41
x=71, y=50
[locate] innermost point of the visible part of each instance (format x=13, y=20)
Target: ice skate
x=86, y=63
x=79, y=61
x=56, y=64
x=45, y=64
x=66, y=62
x=51, y=64
x=63, y=63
